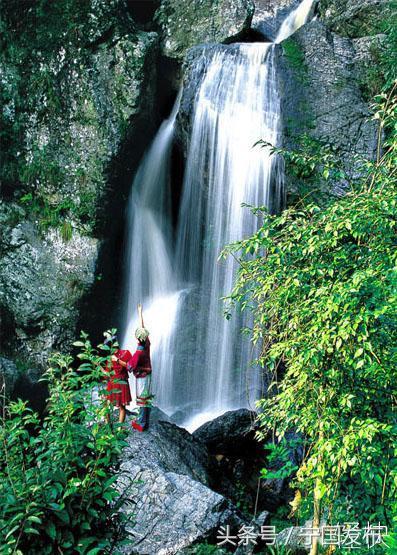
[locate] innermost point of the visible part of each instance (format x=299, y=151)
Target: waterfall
x=150, y=276
x=201, y=360
x=236, y=104
x=295, y=20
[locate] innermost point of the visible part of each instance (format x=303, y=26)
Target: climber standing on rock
x=142, y=369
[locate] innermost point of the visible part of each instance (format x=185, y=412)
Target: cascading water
x=236, y=104
x=150, y=276
x=201, y=361
x=295, y=20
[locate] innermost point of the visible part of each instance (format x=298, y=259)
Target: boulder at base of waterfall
x=164, y=477
x=157, y=414
x=231, y=433
x=238, y=458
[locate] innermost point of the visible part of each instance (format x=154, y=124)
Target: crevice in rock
x=247, y=35
x=142, y=11
x=7, y=331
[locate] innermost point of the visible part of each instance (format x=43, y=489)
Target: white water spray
x=150, y=276
x=236, y=104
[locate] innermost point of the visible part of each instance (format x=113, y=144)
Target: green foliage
x=280, y=518
x=66, y=231
x=295, y=57
x=280, y=550
x=322, y=286
x=207, y=549
x=50, y=213
x=313, y=164
x=388, y=55
x=278, y=461
x=241, y=498
x=57, y=476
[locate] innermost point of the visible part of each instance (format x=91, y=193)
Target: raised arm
x=140, y=315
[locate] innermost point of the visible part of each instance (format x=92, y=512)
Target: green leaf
x=31, y=531
x=51, y=530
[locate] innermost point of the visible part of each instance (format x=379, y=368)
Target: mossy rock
x=186, y=24
x=356, y=18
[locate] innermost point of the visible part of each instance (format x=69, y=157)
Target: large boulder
x=186, y=24
x=165, y=471
x=230, y=433
x=171, y=447
x=238, y=457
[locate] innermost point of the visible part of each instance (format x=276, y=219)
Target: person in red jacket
x=142, y=369
x=118, y=388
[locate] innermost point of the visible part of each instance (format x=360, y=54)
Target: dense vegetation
x=322, y=286
x=31, y=34
x=57, y=475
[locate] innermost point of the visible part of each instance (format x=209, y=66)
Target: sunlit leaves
x=322, y=284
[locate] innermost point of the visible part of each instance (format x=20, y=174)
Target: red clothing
x=123, y=394
x=140, y=362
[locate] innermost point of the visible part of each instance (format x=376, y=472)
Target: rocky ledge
x=166, y=472
x=178, y=489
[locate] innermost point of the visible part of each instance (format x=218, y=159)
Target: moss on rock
x=187, y=24
x=356, y=18
x=76, y=80
x=68, y=113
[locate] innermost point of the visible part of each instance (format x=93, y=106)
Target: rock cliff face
x=42, y=278
x=321, y=93
x=326, y=69
x=269, y=15
x=84, y=86
x=355, y=18
x=68, y=113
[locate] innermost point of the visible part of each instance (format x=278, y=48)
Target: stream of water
x=201, y=360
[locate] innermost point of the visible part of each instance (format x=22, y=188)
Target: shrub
x=57, y=475
x=322, y=287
